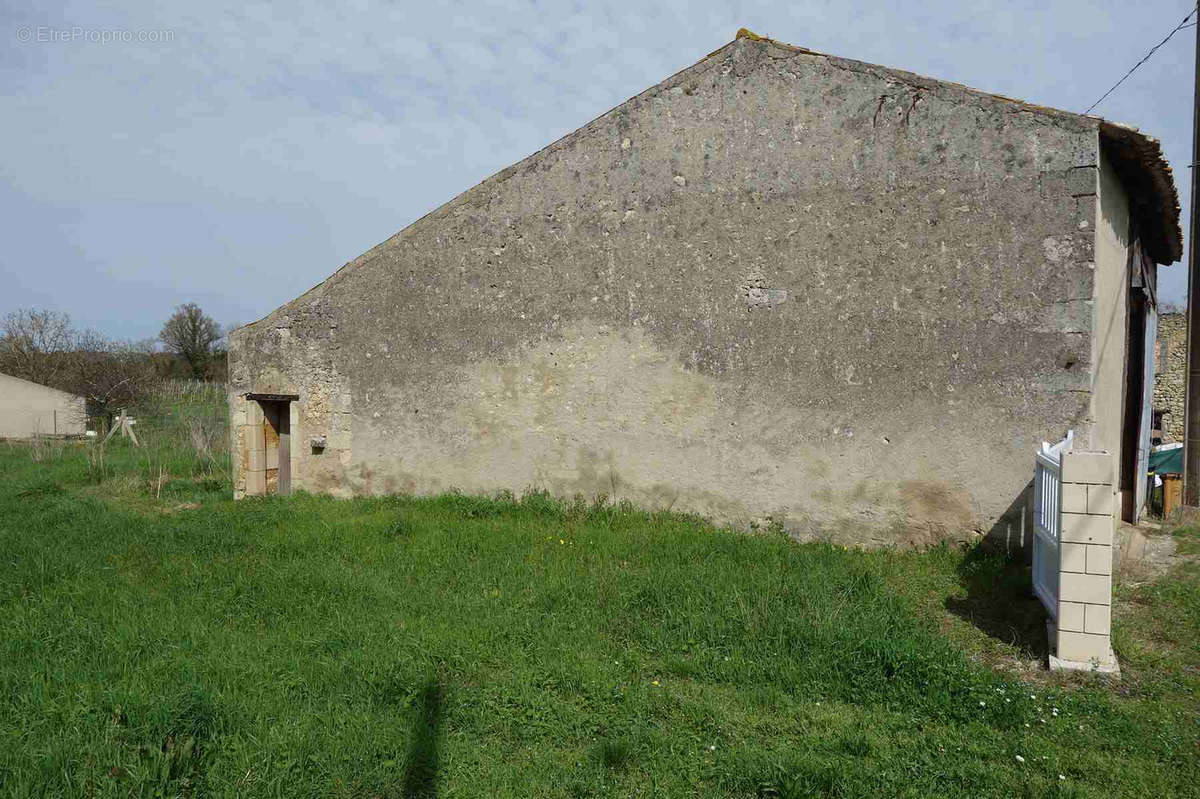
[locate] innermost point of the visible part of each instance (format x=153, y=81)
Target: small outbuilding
x=28, y=409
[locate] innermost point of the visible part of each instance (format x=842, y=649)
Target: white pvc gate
x=1047, y=521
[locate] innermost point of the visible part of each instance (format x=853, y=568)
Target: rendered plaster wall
x=777, y=284
x=28, y=409
x=1102, y=430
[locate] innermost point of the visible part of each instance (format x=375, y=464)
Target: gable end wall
x=775, y=285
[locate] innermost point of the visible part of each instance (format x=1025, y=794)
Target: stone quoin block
x=256, y=482
x=1083, y=181
x=254, y=437
x=254, y=414
x=256, y=460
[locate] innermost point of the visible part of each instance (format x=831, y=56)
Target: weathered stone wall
x=776, y=284
x=1170, y=373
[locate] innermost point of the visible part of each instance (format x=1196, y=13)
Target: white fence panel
x=1047, y=521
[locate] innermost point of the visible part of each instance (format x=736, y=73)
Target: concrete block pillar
x=1082, y=639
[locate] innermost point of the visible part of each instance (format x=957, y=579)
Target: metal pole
x=1191, y=395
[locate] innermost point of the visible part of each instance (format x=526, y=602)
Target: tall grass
x=182, y=430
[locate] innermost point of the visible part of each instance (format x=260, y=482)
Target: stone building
x=778, y=284
x=1170, y=373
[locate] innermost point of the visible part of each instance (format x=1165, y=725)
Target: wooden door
x=277, y=435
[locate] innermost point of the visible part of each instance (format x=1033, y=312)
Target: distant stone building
x=28, y=409
x=1170, y=373
x=779, y=283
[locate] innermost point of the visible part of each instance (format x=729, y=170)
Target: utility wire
x=1183, y=24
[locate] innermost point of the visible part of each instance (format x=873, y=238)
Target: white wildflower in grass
x=1020, y=759
x=712, y=748
x=1062, y=776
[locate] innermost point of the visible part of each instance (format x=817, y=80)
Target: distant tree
x=35, y=345
x=191, y=334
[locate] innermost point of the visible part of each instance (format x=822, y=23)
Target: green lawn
x=158, y=638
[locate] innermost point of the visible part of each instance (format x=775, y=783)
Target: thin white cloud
x=266, y=144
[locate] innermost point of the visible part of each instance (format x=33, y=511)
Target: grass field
x=159, y=639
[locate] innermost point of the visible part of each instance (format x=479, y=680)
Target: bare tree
x=36, y=345
x=191, y=334
x=112, y=375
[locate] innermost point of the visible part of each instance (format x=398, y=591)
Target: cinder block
x=1074, y=498
x=1072, y=557
x=1094, y=589
x=1087, y=467
x=1082, y=646
x=1099, y=499
x=1099, y=560
x=1087, y=529
x=1097, y=619
x=1070, y=616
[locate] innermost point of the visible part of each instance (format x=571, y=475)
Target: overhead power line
x=1183, y=24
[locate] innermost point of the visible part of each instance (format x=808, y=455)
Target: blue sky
x=252, y=149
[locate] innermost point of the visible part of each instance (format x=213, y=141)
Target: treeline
x=45, y=347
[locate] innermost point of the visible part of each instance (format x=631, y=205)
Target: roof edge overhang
x=1153, y=198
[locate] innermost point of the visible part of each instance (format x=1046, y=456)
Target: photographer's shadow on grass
x=421, y=760
x=999, y=598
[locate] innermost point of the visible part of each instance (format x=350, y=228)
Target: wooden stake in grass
x=125, y=425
